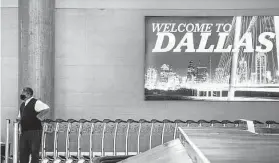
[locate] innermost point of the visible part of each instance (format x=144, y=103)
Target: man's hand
x=44, y=114
x=18, y=120
x=19, y=128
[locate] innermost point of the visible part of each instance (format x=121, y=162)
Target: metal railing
x=79, y=127
x=7, y=141
x=15, y=141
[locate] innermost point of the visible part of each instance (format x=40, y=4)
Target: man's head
x=26, y=93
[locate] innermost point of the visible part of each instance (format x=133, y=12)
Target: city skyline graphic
x=247, y=74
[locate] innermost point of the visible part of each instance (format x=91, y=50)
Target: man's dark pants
x=30, y=143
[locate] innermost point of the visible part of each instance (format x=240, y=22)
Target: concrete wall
x=9, y=63
x=100, y=60
x=100, y=63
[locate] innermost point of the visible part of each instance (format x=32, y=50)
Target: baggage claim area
x=87, y=81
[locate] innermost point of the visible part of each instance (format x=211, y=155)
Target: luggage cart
x=115, y=158
x=93, y=123
x=177, y=121
x=81, y=159
x=105, y=122
x=141, y=121
x=165, y=121
x=69, y=158
x=44, y=158
x=117, y=122
x=55, y=158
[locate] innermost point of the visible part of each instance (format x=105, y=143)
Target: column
x=36, y=48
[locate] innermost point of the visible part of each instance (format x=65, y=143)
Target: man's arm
x=44, y=114
x=18, y=120
x=43, y=109
x=18, y=116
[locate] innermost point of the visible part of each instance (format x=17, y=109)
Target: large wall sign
x=214, y=58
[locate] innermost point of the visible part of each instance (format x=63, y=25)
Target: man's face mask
x=22, y=97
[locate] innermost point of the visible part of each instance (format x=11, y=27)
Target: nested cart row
x=54, y=127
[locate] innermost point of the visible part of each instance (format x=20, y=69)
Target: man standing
x=32, y=111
